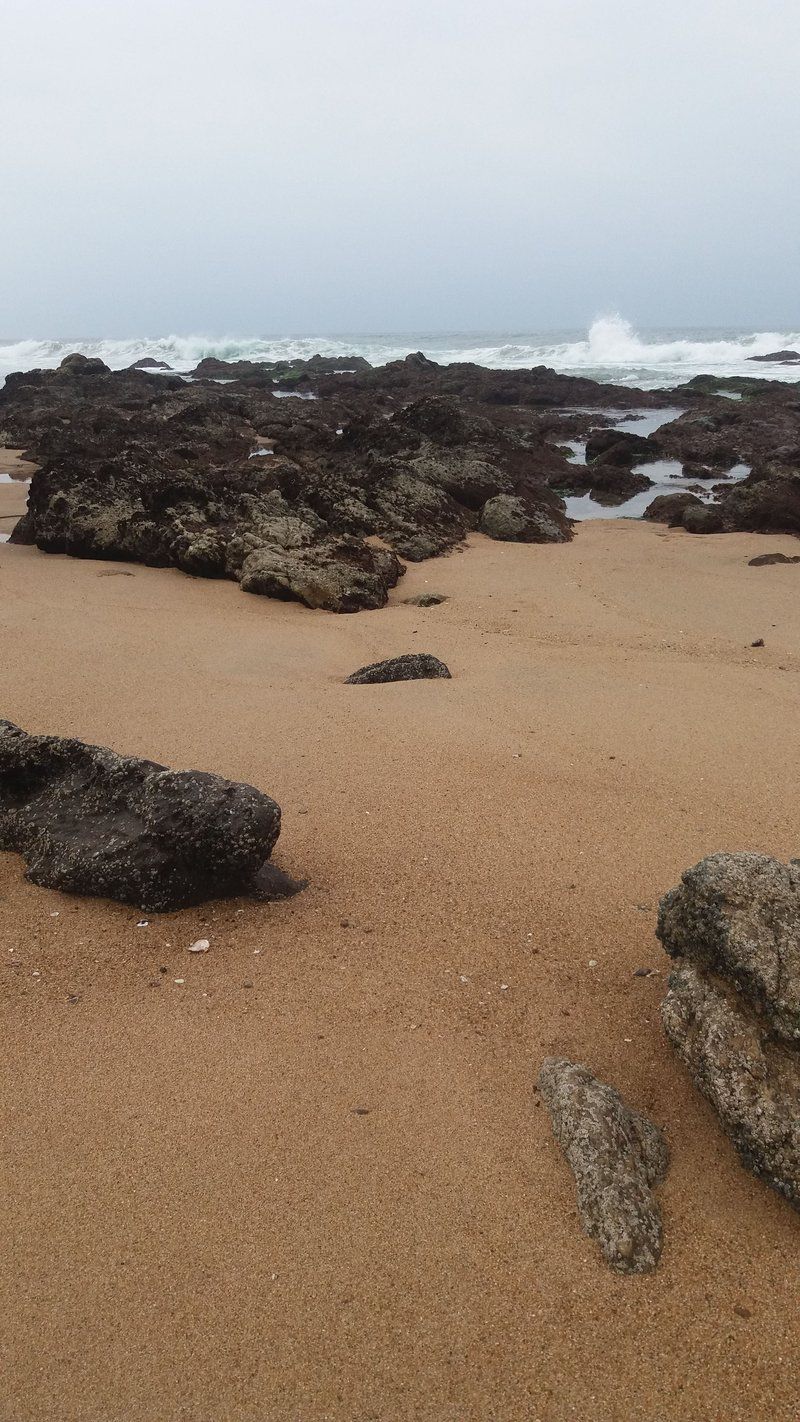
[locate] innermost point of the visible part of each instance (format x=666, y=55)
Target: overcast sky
x=322, y=166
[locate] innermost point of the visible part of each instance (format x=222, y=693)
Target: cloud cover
x=375, y=165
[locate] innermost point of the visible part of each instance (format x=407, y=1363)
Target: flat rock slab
x=617, y=1158
x=765, y=559
x=89, y=821
x=416, y=666
x=430, y=599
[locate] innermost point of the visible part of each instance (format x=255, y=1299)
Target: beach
x=305, y=1175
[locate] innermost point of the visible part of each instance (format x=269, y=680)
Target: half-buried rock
x=416, y=666
x=617, y=1158
x=732, y=1008
x=89, y=821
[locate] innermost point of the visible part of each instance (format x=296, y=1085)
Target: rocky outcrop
x=732, y=1008
x=779, y=357
x=617, y=1156
x=204, y=476
x=89, y=821
x=414, y=666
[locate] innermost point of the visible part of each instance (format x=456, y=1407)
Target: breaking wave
x=611, y=350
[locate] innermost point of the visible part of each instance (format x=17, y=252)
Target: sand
x=305, y=1176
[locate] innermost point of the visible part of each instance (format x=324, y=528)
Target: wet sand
x=311, y=1180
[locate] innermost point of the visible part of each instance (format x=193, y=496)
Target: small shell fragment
x=201, y=946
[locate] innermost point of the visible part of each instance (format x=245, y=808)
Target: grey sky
x=265, y=166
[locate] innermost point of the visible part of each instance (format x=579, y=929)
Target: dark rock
x=148, y=363
x=779, y=357
x=77, y=364
x=425, y=600
x=732, y=1009
x=620, y=447
x=617, y=1158
x=759, y=642
x=414, y=666
x=670, y=508
x=703, y=519
x=765, y=559
x=509, y=518
x=89, y=821
x=767, y=503
x=700, y=471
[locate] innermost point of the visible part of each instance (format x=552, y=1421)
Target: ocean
x=611, y=350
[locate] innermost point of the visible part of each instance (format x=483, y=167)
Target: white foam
x=611, y=350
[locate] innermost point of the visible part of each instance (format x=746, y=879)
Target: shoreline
x=269, y=1252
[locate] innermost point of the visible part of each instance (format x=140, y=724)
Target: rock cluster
x=89, y=821
x=732, y=1008
x=315, y=499
x=617, y=1157
x=221, y=475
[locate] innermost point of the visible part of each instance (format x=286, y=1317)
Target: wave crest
x=611, y=350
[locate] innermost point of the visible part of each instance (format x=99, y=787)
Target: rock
x=751, y=1081
x=670, y=508
x=738, y=916
x=759, y=642
x=148, y=363
x=425, y=600
x=77, y=364
x=732, y=1009
x=763, y=503
x=705, y=519
x=89, y=821
x=779, y=357
x=617, y=1158
x=341, y=575
x=607, y=482
x=620, y=447
x=765, y=559
x=509, y=518
x=701, y=471
x=415, y=666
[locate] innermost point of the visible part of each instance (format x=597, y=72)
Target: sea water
x=611, y=350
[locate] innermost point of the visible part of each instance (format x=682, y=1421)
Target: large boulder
x=768, y=503
x=732, y=1008
x=89, y=821
x=670, y=508
x=705, y=519
x=617, y=1157
x=340, y=574
x=77, y=364
x=511, y=518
